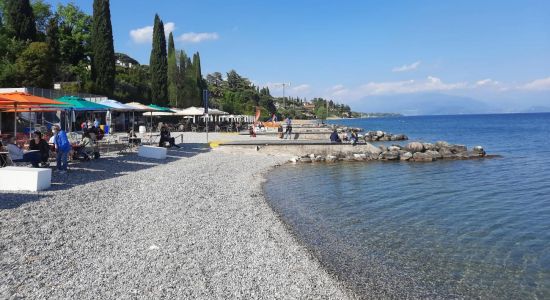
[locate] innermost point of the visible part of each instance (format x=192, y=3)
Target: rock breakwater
x=413, y=152
x=374, y=136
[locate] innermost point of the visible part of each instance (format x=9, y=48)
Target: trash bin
x=142, y=129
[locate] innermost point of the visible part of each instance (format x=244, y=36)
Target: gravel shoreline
x=194, y=226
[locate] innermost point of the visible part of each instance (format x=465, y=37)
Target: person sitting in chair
x=165, y=137
x=86, y=148
x=38, y=143
x=18, y=155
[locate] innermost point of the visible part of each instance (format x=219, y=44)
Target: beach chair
x=5, y=160
x=128, y=145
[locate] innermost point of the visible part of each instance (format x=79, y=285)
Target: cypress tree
x=181, y=85
x=103, y=52
x=20, y=19
x=159, y=65
x=198, y=81
x=52, y=40
x=191, y=89
x=172, y=72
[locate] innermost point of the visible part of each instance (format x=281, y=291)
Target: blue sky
x=353, y=50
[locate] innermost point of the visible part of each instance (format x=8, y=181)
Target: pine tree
x=20, y=19
x=159, y=65
x=103, y=52
x=172, y=72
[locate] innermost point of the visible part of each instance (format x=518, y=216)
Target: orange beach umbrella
x=22, y=100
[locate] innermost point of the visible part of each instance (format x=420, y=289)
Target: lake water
x=447, y=229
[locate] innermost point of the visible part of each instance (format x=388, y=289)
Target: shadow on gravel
x=83, y=172
x=14, y=200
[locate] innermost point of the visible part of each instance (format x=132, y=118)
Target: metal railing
x=53, y=94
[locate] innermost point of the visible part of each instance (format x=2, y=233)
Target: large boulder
x=399, y=137
x=405, y=156
x=305, y=159
x=430, y=146
x=446, y=153
x=442, y=144
x=394, y=148
x=360, y=156
x=434, y=154
x=414, y=147
x=390, y=155
x=371, y=151
x=459, y=148
x=331, y=158
x=420, y=156
x=380, y=133
x=478, y=151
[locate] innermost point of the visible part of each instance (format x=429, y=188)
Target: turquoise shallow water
x=448, y=229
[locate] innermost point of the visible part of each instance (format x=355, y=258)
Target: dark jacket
x=165, y=134
x=42, y=146
x=334, y=137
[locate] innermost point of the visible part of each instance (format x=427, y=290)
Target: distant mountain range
x=440, y=104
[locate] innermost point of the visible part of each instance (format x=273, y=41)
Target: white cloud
x=430, y=84
x=193, y=37
x=487, y=82
x=301, y=88
x=406, y=68
x=537, y=85
x=145, y=34
x=338, y=87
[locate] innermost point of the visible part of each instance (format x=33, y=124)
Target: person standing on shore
x=354, y=137
x=288, y=132
x=62, y=148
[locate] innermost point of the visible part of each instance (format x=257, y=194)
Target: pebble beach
x=193, y=226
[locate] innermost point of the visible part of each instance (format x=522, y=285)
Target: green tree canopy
x=35, y=66
x=20, y=19
x=42, y=14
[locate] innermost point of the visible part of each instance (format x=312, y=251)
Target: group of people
x=95, y=131
x=39, y=150
x=287, y=134
x=351, y=136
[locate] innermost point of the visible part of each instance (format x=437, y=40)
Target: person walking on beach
x=62, y=148
x=288, y=132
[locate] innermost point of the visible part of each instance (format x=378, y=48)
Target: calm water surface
x=447, y=229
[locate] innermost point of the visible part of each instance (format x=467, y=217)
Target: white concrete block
x=152, y=152
x=25, y=179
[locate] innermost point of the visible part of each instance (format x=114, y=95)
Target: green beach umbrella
x=160, y=108
x=77, y=103
x=73, y=103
